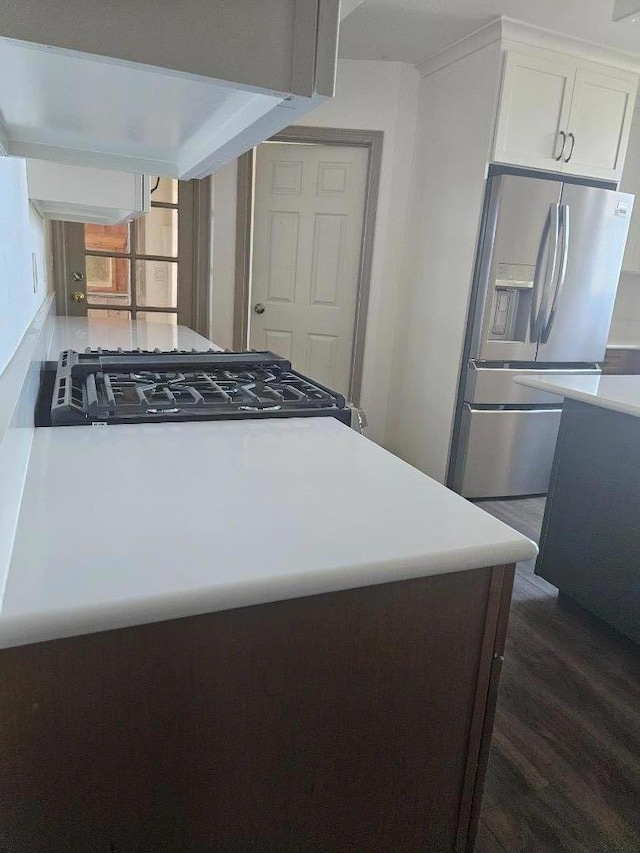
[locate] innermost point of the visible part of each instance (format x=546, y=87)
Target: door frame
x=372, y=140
x=192, y=311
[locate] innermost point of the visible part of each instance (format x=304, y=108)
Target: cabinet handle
x=573, y=145
x=564, y=142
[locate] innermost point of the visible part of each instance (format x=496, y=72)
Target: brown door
x=154, y=268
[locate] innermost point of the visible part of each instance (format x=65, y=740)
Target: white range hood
x=173, y=89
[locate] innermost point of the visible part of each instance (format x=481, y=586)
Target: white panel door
x=534, y=109
x=307, y=240
x=600, y=121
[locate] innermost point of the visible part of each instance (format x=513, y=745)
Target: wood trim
x=68, y=243
x=59, y=266
x=366, y=265
x=502, y=584
x=201, y=256
x=327, y=135
x=372, y=140
x=105, y=253
x=478, y=732
x=244, y=242
x=186, y=266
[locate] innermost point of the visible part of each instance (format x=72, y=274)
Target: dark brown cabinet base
x=352, y=721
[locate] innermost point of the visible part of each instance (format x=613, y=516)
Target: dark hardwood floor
x=564, y=773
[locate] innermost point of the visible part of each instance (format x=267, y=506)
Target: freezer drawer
x=495, y=385
x=504, y=453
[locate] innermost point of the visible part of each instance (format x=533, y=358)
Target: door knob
x=78, y=296
x=77, y=276
x=258, y=308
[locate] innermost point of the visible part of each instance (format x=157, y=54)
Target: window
x=154, y=269
x=133, y=268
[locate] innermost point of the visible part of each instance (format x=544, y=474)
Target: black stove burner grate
x=139, y=386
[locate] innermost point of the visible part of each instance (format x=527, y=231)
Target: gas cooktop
x=138, y=386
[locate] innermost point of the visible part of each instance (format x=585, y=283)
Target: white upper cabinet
x=564, y=114
x=534, y=109
x=600, y=121
x=174, y=89
x=78, y=194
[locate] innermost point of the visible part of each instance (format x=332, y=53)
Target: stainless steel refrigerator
x=545, y=284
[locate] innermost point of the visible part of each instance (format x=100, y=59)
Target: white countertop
x=130, y=524
x=618, y=393
x=79, y=333
x=123, y=525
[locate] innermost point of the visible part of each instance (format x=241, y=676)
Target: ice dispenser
x=512, y=295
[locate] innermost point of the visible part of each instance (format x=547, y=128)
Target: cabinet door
x=600, y=120
x=534, y=109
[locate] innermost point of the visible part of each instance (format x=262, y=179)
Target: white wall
x=455, y=124
x=370, y=96
x=22, y=232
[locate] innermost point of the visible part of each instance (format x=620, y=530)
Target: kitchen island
x=245, y=636
x=590, y=542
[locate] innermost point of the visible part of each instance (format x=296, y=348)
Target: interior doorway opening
x=304, y=242
x=154, y=268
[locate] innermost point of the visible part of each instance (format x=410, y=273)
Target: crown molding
x=505, y=29
x=348, y=6
x=529, y=34
x=483, y=37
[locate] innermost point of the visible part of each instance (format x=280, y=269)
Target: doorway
x=152, y=269
x=306, y=215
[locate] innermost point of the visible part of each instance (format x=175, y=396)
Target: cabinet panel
x=77, y=194
x=600, y=119
x=631, y=183
x=534, y=108
x=350, y=721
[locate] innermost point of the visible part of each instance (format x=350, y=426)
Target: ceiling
x=410, y=30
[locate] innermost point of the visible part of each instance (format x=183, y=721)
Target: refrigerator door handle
x=538, y=305
x=562, y=271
